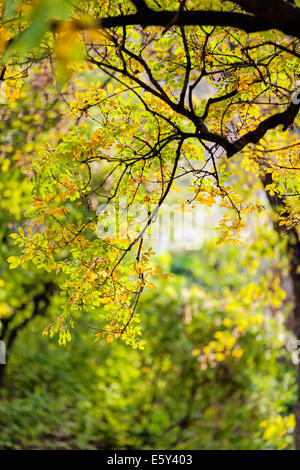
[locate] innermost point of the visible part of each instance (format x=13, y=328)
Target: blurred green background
x=109, y=396
x=216, y=372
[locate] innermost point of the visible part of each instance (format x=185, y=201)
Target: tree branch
x=286, y=118
x=283, y=15
x=262, y=21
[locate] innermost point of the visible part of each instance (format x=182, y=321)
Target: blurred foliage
x=23, y=126
x=136, y=122
x=215, y=371
x=95, y=395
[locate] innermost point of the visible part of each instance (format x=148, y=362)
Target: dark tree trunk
x=295, y=277
x=277, y=204
x=40, y=304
